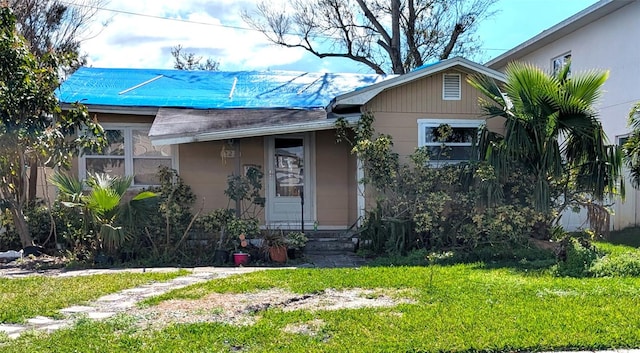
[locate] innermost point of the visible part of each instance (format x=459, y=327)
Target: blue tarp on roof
x=208, y=89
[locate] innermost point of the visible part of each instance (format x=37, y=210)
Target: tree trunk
x=22, y=227
x=396, y=56
x=33, y=180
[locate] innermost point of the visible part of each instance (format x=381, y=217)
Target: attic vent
x=451, y=87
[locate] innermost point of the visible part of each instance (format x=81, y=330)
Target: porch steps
x=330, y=243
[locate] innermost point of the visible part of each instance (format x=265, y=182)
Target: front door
x=288, y=174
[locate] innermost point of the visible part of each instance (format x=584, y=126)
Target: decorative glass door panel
x=289, y=166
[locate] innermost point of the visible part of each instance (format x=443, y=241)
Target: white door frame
x=272, y=219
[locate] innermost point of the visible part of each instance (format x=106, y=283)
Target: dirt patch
x=244, y=308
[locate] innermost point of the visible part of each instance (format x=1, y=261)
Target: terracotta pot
x=278, y=254
x=240, y=259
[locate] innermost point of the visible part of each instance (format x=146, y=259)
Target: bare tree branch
x=189, y=61
x=385, y=35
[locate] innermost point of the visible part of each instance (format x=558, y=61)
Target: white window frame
x=444, y=80
x=562, y=60
x=128, y=157
x=454, y=123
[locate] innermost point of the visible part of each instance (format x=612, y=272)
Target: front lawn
x=24, y=298
x=459, y=308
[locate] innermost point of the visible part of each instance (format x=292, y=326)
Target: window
x=456, y=145
x=559, y=62
x=451, y=87
x=622, y=140
x=129, y=152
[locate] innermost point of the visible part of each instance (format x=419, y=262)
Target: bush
x=621, y=265
x=575, y=258
x=462, y=206
x=69, y=228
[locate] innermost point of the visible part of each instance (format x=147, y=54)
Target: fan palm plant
x=631, y=147
x=105, y=205
x=551, y=130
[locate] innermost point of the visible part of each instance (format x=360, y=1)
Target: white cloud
x=145, y=41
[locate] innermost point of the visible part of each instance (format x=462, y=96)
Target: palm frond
x=634, y=117
x=69, y=186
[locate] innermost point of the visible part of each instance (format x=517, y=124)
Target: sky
x=141, y=33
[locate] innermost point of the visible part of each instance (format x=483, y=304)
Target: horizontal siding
x=425, y=96
x=397, y=110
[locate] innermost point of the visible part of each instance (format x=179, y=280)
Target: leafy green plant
x=105, y=206
x=245, y=191
x=575, y=257
x=622, y=265
x=296, y=240
x=33, y=128
x=450, y=206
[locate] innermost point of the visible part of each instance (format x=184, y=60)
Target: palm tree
x=631, y=147
x=106, y=205
x=552, y=131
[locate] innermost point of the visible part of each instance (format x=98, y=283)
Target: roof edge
x=115, y=109
x=362, y=96
x=327, y=124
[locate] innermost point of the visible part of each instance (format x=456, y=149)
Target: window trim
x=454, y=123
x=444, y=80
x=128, y=152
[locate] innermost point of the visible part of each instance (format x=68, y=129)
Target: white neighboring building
x=605, y=36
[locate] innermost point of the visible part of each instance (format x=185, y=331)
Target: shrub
x=575, y=258
x=68, y=228
x=621, y=265
x=460, y=206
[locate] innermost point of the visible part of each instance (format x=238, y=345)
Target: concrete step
x=329, y=234
x=322, y=245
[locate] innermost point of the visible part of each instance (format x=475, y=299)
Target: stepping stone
x=76, y=309
x=11, y=329
x=41, y=320
x=204, y=275
x=135, y=290
x=125, y=305
x=54, y=327
x=112, y=298
x=14, y=336
x=161, y=285
x=152, y=294
x=99, y=315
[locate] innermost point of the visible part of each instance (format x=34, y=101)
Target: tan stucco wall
x=202, y=167
x=334, y=188
x=397, y=110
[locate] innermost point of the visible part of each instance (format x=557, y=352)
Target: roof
x=155, y=88
x=363, y=95
x=571, y=24
x=176, y=126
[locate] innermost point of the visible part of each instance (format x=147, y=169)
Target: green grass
x=460, y=308
x=24, y=298
x=627, y=236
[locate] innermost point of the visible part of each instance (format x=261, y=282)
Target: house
x=208, y=125
x=595, y=38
